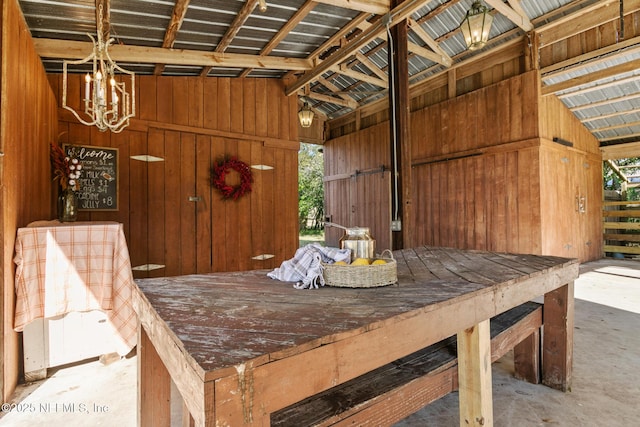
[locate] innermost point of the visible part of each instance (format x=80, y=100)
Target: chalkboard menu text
x=99, y=178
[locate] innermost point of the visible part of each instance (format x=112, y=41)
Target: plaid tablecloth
x=79, y=267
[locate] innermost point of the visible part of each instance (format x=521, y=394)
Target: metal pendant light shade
x=305, y=115
x=476, y=26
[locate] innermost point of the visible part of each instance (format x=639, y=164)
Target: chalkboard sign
x=99, y=178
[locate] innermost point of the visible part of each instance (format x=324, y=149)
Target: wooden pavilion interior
x=497, y=149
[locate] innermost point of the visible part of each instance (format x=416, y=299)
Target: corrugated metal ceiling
x=312, y=30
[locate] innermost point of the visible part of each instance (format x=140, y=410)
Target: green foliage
x=310, y=185
x=612, y=181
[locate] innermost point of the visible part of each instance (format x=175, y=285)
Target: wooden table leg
x=154, y=385
x=557, y=341
x=474, y=376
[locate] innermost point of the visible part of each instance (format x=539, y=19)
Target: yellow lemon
x=339, y=263
x=360, y=261
x=378, y=262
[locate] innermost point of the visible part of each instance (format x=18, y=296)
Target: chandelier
x=107, y=104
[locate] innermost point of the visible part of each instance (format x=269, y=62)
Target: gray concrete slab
x=605, y=390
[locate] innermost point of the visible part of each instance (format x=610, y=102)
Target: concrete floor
x=605, y=391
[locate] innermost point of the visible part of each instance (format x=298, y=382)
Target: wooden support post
x=154, y=385
x=526, y=358
x=532, y=51
x=399, y=119
x=474, y=376
x=557, y=360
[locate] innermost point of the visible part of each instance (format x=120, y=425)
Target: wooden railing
x=621, y=228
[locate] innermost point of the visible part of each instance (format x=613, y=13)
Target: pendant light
x=305, y=115
x=476, y=26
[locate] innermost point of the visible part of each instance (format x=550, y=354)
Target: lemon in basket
x=379, y=262
x=360, y=261
x=339, y=263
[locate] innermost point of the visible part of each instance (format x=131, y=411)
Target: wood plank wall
x=28, y=123
x=362, y=198
x=486, y=175
x=191, y=123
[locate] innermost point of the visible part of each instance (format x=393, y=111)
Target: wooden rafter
x=592, y=16
x=614, y=127
x=346, y=71
x=517, y=17
x=286, y=29
x=609, y=101
x=592, y=77
x=398, y=14
x=177, y=16
x=594, y=57
x=622, y=113
x=334, y=89
x=378, y=7
x=328, y=98
x=364, y=60
x=64, y=49
x=233, y=30
x=439, y=54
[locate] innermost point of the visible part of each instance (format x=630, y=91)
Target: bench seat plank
x=396, y=390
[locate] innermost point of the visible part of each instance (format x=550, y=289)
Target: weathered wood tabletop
x=240, y=346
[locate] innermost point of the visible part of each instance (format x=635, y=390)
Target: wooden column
x=474, y=376
x=557, y=359
x=399, y=127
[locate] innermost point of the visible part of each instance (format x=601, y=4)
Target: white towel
x=305, y=268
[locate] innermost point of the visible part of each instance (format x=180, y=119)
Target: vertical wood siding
x=486, y=174
x=28, y=123
x=192, y=123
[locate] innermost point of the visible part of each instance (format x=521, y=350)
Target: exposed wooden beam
x=286, y=29
x=614, y=127
x=327, y=98
x=620, y=151
x=346, y=71
x=592, y=16
x=428, y=54
x=591, y=77
x=371, y=66
x=609, y=101
x=334, y=89
x=398, y=14
x=431, y=42
x=521, y=20
x=233, y=30
x=597, y=56
x=236, y=25
x=64, y=49
x=614, y=114
x=378, y=7
x=177, y=16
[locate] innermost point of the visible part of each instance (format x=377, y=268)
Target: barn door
x=192, y=229
x=361, y=200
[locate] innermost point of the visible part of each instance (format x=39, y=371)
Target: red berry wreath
x=219, y=173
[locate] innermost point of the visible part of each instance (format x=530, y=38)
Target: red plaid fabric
x=81, y=267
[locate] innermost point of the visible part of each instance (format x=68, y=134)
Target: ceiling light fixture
x=107, y=104
x=305, y=115
x=262, y=5
x=476, y=26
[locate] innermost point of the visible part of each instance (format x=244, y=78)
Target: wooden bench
x=397, y=390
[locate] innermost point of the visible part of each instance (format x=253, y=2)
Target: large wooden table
x=240, y=346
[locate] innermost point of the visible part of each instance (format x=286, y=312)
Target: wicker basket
x=362, y=276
